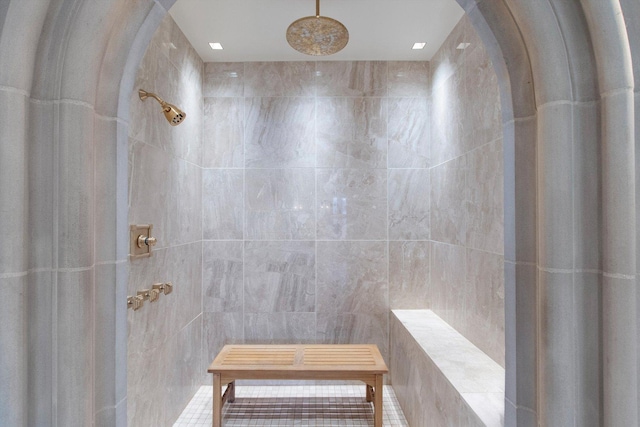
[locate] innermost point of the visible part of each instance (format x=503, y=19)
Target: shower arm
x=144, y=95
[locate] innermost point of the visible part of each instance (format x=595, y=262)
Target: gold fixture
x=135, y=302
x=141, y=241
x=317, y=35
x=149, y=294
x=165, y=288
x=173, y=114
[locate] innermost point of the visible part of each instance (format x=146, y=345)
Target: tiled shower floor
x=330, y=405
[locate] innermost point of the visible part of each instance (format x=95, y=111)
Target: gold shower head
x=173, y=114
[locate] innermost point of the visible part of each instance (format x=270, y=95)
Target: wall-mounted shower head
x=173, y=114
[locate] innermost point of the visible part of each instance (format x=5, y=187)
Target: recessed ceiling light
x=215, y=46
x=463, y=46
x=417, y=46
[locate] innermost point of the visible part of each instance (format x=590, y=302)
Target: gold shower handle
x=149, y=294
x=135, y=302
x=165, y=288
x=146, y=241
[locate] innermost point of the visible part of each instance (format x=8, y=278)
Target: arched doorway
x=566, y=74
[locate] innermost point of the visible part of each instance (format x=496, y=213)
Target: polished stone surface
x=409, y=275
x=409, y=133
x=279, y=132
x=352, y=204
x=409, y=206
x=166, y=190
x=468, y=385
x=351, y=132
x=279, y=277
x=223, y=133
x=279, y=204
x=222, y=204
x=352, y=78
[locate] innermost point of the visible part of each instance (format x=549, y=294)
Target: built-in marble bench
x=440, y=377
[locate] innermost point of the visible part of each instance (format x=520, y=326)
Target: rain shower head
x=173, y=114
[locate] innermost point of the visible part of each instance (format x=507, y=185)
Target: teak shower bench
x=297, y=362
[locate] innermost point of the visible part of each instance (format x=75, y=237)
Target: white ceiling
x=254, y=30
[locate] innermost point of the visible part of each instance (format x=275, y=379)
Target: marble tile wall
x=466, y=192
x=314, y=174
x=166, y=187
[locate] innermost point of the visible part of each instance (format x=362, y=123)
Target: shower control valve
x=146, y=241
x=165, y=288
x=150, y=294
x=135, y=302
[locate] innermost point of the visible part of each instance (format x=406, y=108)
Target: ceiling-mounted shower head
x=173, y=114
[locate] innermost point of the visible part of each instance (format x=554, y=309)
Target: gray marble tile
x=409, y=278
x=448, y=281
x=223, y=79
x=280, y=328
x=485, y=205
x=409, y=133
x=482, y=113
x=351, y=132
x=409, y=78
x=279, y=132
x=449, y=202
x=185, y=356
x=185, y=221
x=222, y=204
x=352, y=277
x=218, y=330
x=13, y=367
x=279, y=78
x=354, y=328
x=279, y=277
x=222, y=276
x=351, y=78
x=447, y=116
x=448, y=58
x=352, y=204
x=280, y=204
x=185, y=263
x=223, y=133
x=151, y=186
x=409, y=204
x=484, y=303
x=147, y=401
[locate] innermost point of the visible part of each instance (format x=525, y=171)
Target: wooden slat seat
x=361, y=362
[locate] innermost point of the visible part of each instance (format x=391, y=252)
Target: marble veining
x=223, y=79
x=352, y=132
x=409, y=204
x=280, y=204
x=222, y=276
x=409, y=78
x=222, y=204
x=448, y=202
x=279, y=132
x=352, y=78
x=279, y=79
x=352, y=204
x=223, y=133
x=409, y=133
x=280, y=277
x=409, y=275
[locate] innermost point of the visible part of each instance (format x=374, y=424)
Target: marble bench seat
x=440, y=377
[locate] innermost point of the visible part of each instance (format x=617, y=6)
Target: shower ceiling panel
x=254, y=30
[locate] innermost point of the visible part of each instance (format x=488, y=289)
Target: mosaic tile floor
x=333, y=405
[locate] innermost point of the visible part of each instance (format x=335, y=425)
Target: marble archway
x=567, y=83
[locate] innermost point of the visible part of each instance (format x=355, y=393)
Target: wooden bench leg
x=232, y=392
x=217, y=401
x=377, y=402
x=369, y=393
